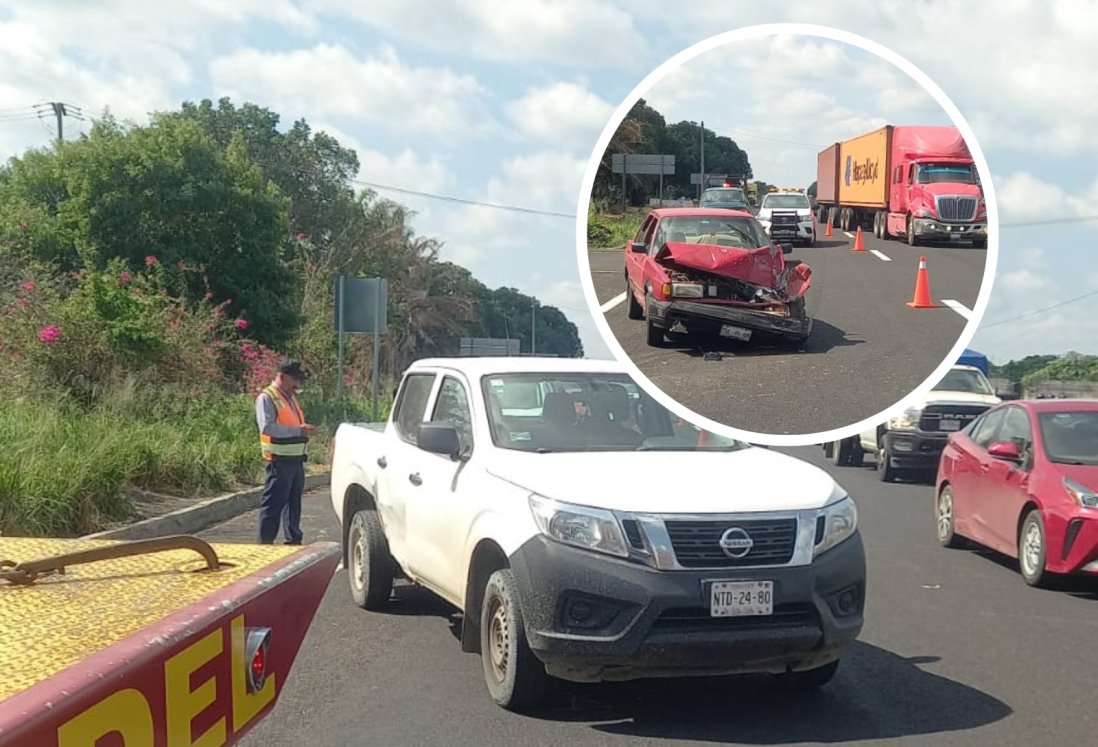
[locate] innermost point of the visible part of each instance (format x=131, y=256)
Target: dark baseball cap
x=293, y=368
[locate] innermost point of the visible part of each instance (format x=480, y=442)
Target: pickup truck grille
x=698, y=620
x=697, y=543
x=956, y=208
x=934, y=415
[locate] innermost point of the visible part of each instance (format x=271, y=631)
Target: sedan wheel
x=1031, y=550
x=946, y=535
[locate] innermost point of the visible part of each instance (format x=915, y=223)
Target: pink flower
x=125, y=277
x=150, y=260
x=23, y=303
x=29, y=287
x=50, y=334
x=300, y=236
x=241, y=324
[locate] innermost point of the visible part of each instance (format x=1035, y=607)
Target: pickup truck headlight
x=1082, y=495
x=840, y=521
x=580, y=526
x=908, y=420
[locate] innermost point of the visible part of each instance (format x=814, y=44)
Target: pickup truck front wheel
x=516, y=679
x=371, y=568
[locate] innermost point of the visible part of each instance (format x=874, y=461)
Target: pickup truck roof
x=477, y=366
x=62, y=620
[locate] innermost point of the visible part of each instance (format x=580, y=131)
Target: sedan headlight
x=835, y=522
x=908, y=420
x=1083, y=496
x=580, y=526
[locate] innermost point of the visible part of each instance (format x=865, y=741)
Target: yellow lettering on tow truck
x=245, y=705
x=125, y=713
x=182, y=703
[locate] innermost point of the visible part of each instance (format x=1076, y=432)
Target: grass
x=67, y=471
x=613, y=226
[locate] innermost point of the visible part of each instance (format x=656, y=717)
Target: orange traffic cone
x=922, y=289
x=828, y=232
x=858, y=245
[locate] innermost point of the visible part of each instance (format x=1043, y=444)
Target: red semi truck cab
x=151, y=643
x=916, y=182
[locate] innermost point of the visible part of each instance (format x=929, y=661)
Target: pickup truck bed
x=71, y=641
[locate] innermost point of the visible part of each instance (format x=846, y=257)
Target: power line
x=449, y=198
x=1038, y=311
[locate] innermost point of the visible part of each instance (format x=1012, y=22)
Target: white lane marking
x=612, y=303
x=959, y=307
x=881, y=255
x=848, y=234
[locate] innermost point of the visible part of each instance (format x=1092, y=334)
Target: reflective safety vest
x=286, y=413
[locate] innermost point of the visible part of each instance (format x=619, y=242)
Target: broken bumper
x=590, y=618
x=928, y=228
x=704, y=316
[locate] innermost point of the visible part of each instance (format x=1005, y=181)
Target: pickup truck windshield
x=724, y=196
x=586, y=412
x=964, y=381
x=785, y=202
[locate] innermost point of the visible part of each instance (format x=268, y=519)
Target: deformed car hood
x=764, y=267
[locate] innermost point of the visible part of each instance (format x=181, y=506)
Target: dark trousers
x=282, y=500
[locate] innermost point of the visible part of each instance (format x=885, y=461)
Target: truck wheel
x=636, y=311
x=840, y=453
x=812, y=679
x=912, y=239
x=885, y=471
x=371, y=568
x=516, y=679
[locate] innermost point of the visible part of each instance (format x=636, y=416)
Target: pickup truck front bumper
x=711, y=317
x=935, y=230
x=592, y=618
x=914, y=450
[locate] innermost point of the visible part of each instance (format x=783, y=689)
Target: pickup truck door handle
x=415, y=479
x=382, y=463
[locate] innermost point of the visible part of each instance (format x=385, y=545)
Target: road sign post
x=361, y=305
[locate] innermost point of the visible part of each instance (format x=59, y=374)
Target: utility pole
x=60, y=112
x=533, y=328
x=701, y=187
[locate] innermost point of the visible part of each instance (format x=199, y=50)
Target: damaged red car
x=714, y=271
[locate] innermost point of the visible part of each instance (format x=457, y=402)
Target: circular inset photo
x=789, y=234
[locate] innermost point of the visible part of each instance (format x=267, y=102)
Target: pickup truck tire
x=811, y=679
x=516, y=679
x=370, y=567
x=885, y=471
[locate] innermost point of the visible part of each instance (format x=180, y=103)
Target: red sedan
x=1022, y=479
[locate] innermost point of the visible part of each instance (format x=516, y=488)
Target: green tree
x=164, y=191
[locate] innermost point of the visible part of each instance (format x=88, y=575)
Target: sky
x=497, y=101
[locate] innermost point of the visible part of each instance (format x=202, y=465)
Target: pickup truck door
x=439, y=516
x=397, y=456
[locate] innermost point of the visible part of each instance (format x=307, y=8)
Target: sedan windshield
x=964, y=381
x=785, y=202
x=1070, y=437
x=743, y=232
x=555, y=412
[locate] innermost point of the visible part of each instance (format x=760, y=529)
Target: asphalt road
x=957, y=650
x=867, y=351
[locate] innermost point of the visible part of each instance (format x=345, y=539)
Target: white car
x=588, y=534
x=787, y=217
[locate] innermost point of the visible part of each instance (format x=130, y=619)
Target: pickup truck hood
x=753, y=479
x=764, y=266
x=941, y=396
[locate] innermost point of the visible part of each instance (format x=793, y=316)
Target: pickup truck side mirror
x=638, y=247
x=439, y=438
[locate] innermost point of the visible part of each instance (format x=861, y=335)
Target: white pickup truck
x=913, y=441
x=587, y=534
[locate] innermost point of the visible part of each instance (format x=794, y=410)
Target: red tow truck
x=152, y=643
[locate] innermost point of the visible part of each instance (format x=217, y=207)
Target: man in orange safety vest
x=283, y=434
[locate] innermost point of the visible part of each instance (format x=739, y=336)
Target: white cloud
x=330, y=81
x=561, y=113
x=1023, y=280
x=574, y=33
x=1024, y=197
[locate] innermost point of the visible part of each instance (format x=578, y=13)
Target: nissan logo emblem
x=736, y=542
